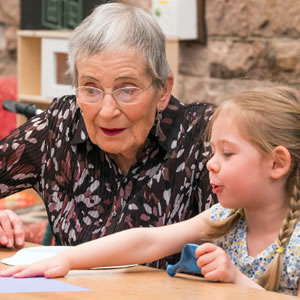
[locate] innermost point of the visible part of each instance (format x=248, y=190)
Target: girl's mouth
x=216, y=188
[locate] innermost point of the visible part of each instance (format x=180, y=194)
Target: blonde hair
x=269, y=117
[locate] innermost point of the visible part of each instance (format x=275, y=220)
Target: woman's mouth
x=112, y=131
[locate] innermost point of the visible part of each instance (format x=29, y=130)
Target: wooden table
x=141, y=282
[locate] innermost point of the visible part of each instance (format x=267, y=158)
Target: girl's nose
x=212, y=165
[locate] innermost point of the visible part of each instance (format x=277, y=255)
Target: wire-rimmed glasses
x=123, y=96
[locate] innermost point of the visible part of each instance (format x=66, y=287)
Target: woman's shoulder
x=66, y=102
x=64, y=115
x=63, y=108
x=191, y=118
x=199, y=110
x=194, y=109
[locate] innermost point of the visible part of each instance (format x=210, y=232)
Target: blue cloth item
x=187, y=262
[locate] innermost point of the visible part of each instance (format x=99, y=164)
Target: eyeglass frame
x=111, y=93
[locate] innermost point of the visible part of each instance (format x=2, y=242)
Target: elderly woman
x=123, y=152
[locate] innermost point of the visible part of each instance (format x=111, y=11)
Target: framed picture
x=55, y=81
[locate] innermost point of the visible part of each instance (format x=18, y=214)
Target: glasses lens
x=89, y=94
x=127, y=95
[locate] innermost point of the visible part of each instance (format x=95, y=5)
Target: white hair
x=119, y=27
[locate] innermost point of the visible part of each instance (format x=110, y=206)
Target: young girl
x=252, y=237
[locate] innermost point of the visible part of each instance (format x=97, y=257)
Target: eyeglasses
x=123, y=96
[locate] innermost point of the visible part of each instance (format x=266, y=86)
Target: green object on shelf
x=158, y=12
x=61, y=14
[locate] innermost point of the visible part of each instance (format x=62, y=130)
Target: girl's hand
x=215, y=264
x=56, y=266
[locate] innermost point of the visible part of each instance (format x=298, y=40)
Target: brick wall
x=245, y=38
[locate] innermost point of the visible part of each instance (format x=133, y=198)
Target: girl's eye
x=227, y=154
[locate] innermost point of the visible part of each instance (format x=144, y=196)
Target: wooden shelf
x=57, y=34
x=29, y=64
x=31, y=98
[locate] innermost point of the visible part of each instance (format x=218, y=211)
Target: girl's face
x=238, y=171
x=115, y=128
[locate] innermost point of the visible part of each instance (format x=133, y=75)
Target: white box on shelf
x=54, y=82
x=177, y=18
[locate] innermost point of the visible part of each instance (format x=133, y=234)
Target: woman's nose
x=109, y=107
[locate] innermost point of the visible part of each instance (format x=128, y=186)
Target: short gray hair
x=116, y=26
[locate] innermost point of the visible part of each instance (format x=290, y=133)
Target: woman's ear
x=78, y=103
x=165, y=93
x=281, y=162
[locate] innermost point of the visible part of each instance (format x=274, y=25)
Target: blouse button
x=114, y=214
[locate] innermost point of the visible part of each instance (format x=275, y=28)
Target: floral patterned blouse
x=85, y=193
x=235, y=244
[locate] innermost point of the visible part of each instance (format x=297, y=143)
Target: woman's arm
x=133, y=246
x=20, y=162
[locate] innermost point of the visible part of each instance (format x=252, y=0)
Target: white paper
x=34, y=254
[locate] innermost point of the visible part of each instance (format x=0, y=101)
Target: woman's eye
x=90, y=90
x=126, y=90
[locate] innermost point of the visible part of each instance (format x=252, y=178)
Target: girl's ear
x=165, y=94
x=281, y=162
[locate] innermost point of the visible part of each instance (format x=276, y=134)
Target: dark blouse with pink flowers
x=85, y=193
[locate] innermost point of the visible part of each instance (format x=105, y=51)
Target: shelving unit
x=29, y=55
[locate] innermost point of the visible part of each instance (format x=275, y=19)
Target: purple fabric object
x=36, y=285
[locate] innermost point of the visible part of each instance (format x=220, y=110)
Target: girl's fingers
x=56, y=271
x=205, y=255
x=11, y=271
x=29, y=272
x=205, y=248
x=211, y=275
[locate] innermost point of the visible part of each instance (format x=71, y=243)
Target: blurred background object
x=55, y=14
x=8, y=90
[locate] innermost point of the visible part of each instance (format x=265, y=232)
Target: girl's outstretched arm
x=133, y=246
